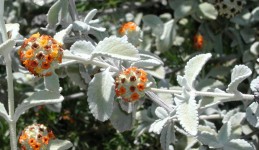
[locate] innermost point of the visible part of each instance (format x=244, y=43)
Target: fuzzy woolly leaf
x=121, y=120
x=80, y=26
x=183, y=9
x=59, y=36
x=239, y=74
x=228, y=115
x=254, y=85
x=155, y=23
x=161, y=113
x=57, y=12
x=36, y=99
x=164, y=42
x=52, y=83
x=158, y=125
x=59, y=144
x=82, y=48
x=224, y=133
x=3, y=112
x=187, y=114
x=208, y=10
x=252, y=114
x=73, y=72
x=194, y=66
x=90, y=15
x=238, y=144
x=167, y=136
x=7, y=47
x=118, y=48
x=101, y=94
x=208, y=136
x=146, y=63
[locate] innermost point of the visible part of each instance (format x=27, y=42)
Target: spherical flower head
x=132, y=31
x=130, y=84
x=40, y=54
x=198, y=41
x=229, y=8
x=35, y=137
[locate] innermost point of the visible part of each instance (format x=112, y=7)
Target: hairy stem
x=206, y=94
x=12, y=124
x=90, y=61
x=2, y=23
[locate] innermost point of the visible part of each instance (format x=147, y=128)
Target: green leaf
x=164, y=42
x=239, y=74
x=36, y=99
x=118, y=48
x=224, y=133
x=7, y=47
x=3, y=112
x=194, y=66
x=57, y=144
x=121, y=120
x=208, y=10
x=238, y=144
x=57, y=12
x=60, y=36
x=52, y=83
x=155, y=23
x=101, y=94
x=252, y=114
x=187, y=114
x=167, y=136
x=82, y=48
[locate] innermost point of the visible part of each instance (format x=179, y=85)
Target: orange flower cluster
x=130, y=84
x=39, y=54
x=35, y=137
x=198, y=41
x=127, y=27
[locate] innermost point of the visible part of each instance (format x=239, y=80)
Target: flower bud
x=130, y=84
x=132, y=31
x=39, y=54
x=198, y=41
x=35, y=137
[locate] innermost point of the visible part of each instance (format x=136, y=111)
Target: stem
x=90, y=61
x=207, y=94
x=2, y=23
x=72, y=10
x=12, y=124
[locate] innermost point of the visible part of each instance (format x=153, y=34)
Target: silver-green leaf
x=52, y=83
x=82, y=48
x=194, y=66
x=187, y=114
x=252, y=114
x=101, y=94
x=239, y=73
x=208, y=10
x=118, y=48
x=167, y=136
x=36, y=99
x=57, y=12
x=58, y=144
x=238, y=144
x=155, y=23
x=3, y=112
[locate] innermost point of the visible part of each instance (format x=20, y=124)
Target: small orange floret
x=141, y=87
x=45, y=65
x=122, y=90
x=45, y=140
x=129, y=26
x=134, y=96
x=29, y=53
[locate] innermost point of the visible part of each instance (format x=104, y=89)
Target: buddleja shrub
x=127, y=76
